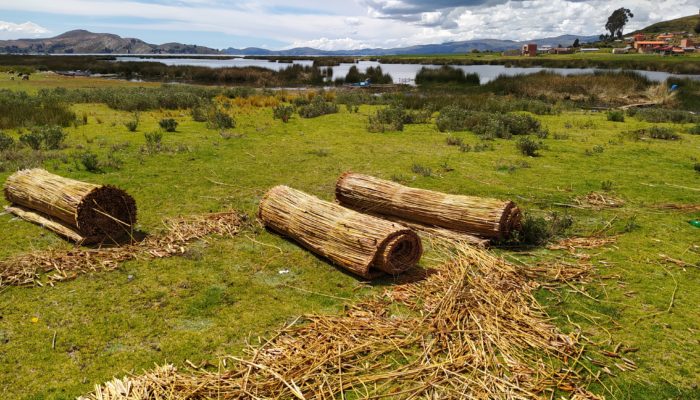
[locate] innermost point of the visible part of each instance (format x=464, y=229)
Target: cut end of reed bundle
x=94, y=213
x=362, y=244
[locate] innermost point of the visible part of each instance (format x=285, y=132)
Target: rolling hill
x=683, y=24
x=85, y=42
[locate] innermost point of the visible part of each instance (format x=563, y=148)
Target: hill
x=683, y=24
x=85, y=42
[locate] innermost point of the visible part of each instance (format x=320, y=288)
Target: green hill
x=684, y=24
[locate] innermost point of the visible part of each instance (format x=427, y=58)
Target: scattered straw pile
x=482, y=217
x=80, y=211
x=599, y=201
x=582, y=243
x=60, y=265
x=472, y=331
x=360, y=243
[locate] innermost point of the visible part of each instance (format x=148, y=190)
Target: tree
x=576, y=43
x=617, y=21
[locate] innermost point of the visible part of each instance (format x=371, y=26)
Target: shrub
x=696, y=167
x=663, y=133
x=19, y=109
x=6, y=141
x=282, y=112
x=607, y=185
x=199, y=113
x=446, y=75
x=154, y=141
x=168, y=124
x=663, y=115
x=616, y=116
x=454, y=141
x=528, y=147
x=218, y=119
x=50, y=137
x=90, y=162
x=452, y=118
x=133, y=123
x=694, y=130
x=422, y=170
x=387, y=119
x=537, y=231
x=317, y=107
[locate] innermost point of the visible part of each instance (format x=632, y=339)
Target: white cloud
x=10, y=30
x=332, y=44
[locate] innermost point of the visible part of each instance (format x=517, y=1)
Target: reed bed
x=50, y=266
x=94, y=213
x=469, y=330
x=476, y=216
x=362, y=244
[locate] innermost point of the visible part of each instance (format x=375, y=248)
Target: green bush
x=454, y=141
x=696, y=167
x=19, y=109
x=133, y=123
x=663, y=115
x=48, y=137
x=218, y=119
x=6, y=141
x=452, y=118
x=168, y=124
x=317, y=107
x=282, y=112
x=387, y=119
x=537, y=231
x=528, y=147
x=199, y=113
x=422, y=170
x=655, y=132
x=90, y=162
x=154, y=141
x=616, y=116
x=694, y=130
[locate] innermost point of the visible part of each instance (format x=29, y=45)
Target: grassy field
x=208, y=302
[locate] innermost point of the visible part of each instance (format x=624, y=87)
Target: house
x=589, y=49
x=665, y=36
x=620, y=50
x=529, y=50
x=647, y=46
x=639, y=37
x=687, y=43
x=545, y=48
x=561, y=50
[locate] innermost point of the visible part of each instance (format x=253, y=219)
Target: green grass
x=222, y=292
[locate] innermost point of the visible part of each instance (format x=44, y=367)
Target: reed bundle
x=360, y=243
x=61, y=265
x=472, y=330
x=80, y=211
x=482, y=217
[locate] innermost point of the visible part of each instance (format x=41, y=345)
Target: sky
x=326, y=24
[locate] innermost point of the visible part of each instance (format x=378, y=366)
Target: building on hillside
x=648, y=46
x=639, y=37
x=589, y=49
x=665, y=36
x=687, y=43
x=545, y=48
x=620, y=50
x=529, y=50
x=561, y=50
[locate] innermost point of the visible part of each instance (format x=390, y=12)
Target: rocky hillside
x=84, y=42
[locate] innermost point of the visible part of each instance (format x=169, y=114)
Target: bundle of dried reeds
x=472, y=330
x=483, y=217
x=80, y=211
x=60, y=265
x=363, y=244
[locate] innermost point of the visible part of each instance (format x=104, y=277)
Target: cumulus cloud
x=10, y=30
x=332, y=44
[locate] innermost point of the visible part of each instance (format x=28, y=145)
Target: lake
x=401, y=73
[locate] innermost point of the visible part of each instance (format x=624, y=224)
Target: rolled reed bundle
x=483, y=217
x=94, y=212
x=360, y=243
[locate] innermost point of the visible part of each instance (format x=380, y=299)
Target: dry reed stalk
x=60, y=265
x=483, y=217
x=473, y=331
x=577, y=243
x=599, y=201
x=679, y=207
x=362, y=244
x=94, y=212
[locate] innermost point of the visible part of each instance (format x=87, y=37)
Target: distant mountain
x=444, y=48
x=84, y=42
x=683, y=24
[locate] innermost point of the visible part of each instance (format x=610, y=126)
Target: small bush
x=663, y=133
x=199, y=113
x=696, y=167
x=282, y=112
x=694, y=130
x=528, y=147
x=537, y=231
x=154, y=141
x=387, y=119
x=607, y=185
x=6, y=141
x=218, y=119
x=317, y=107
x=422, y=170
x=168, y=124
x=616, y=116
x=90, y=162
x=133, y=124
x=663, y=115
x=454, y=141
x=49, y=137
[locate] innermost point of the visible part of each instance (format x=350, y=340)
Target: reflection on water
x=401, y=73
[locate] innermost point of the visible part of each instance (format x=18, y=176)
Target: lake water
x=401, y=73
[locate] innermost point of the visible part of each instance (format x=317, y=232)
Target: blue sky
x=325, y=24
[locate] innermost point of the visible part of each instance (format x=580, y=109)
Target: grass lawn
x=223, y=292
